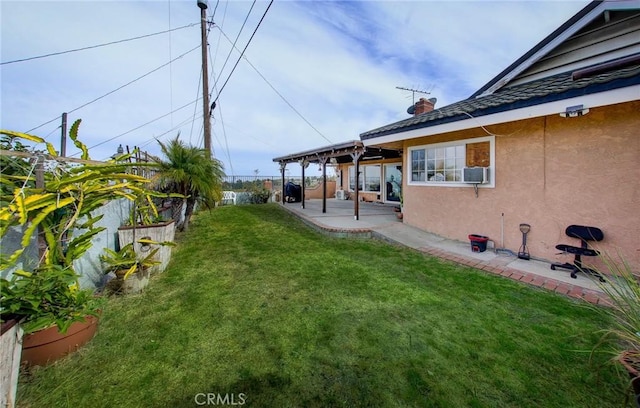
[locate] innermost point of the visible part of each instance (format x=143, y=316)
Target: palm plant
x=188, y=170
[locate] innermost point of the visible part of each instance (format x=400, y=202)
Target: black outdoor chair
x=584, y=234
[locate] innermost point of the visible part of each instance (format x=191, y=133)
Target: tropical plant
x=126, y=262
x=62, y=210
x=258, y=194
x=188, y=170
x=13, y=166
x=45, y=297
x=145, y=212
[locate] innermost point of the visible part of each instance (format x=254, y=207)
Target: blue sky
x=336, y=63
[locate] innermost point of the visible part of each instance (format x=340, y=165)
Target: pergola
x=341, y=153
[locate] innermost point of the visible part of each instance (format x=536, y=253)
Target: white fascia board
x=606, y=5
x=621, y=95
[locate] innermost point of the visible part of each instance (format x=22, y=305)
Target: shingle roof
x=549, y=89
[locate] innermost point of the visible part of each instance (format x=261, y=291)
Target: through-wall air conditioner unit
x=475, y=175
x=340, y=195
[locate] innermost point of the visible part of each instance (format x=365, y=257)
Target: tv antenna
x=413, y=92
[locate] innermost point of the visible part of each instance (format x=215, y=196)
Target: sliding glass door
x=393, y=182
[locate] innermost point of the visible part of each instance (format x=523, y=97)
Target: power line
x=214, y=10
x=224, y=16
x=195, y=108
x=117, y=89
x=176, y=127
x=141, y=126
x=234, y=43
x=224, y=132
x=278, y=93
x=96, y=46
x=243, y=51
x=170, y=67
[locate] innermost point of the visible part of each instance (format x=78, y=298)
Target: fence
x=272, y=183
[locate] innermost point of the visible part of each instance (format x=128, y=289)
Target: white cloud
x=337, y=63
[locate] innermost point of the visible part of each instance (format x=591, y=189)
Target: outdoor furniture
x=293, y=192
x=229, y=196
x=584, y=234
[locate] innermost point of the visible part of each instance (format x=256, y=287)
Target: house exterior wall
x=317, y=191
x=550, y=172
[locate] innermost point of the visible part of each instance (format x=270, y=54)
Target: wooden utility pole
x=63, y=136
x=206, y=114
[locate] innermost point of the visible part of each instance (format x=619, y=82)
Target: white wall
x=115, y=214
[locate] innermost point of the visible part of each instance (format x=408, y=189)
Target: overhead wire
x=210, y=109
x=173, y=129
x=224, y=17
x=50, y=133
x=243, y=51
x=224, y=131
x=277, y=92
x=170, y=65
x=213, y=15
x=139, y=127
x=215, y=55
x=96, y=46
x=234, y=42
x=117, y=89
x=195, y=108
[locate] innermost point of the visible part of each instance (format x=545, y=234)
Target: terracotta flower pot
x=47, y=345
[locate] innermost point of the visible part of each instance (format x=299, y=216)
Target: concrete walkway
x=379, y=221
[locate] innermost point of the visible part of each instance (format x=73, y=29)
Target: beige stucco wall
x=550, y=172
x=317, y=191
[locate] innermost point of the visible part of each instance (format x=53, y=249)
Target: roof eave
x=566, y=30
x=520, y=110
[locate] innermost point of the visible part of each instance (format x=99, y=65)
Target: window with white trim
x=370, y=176
x=442, y=163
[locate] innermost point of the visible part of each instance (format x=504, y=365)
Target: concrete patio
x=379, y=221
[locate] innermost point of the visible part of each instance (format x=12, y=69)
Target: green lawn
x=257, y=307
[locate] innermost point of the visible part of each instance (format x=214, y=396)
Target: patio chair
x=229, y=196
x=584, y=234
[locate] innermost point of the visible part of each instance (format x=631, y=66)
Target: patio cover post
x=283, y=166
x=356, y=205
x=323, y=163
x=304, y=164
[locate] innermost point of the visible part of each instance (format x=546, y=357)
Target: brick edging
x=331, y=231
x=566, y=289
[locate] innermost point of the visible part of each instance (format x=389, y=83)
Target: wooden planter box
x=135, y=283
x=10, y=351
x=156, y=232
